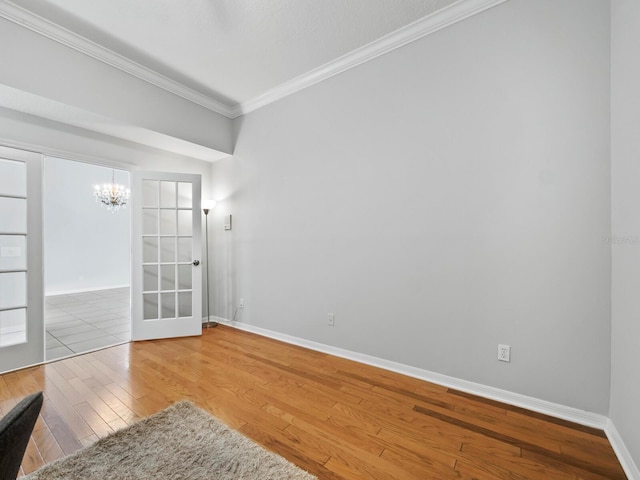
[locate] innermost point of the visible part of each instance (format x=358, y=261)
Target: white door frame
x=32, y=352
x=178, y=326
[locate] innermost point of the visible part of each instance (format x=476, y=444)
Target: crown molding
x=454, y=13
x=42, y=26
x=427, y=25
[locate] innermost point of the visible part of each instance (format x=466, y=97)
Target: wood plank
x=523, y=411
x=47, y=445
x=66, y=438
x=94, y=420
x=595, y=467
x=336, y=418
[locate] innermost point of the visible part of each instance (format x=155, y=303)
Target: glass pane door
x=21, y=324
x=166, y=277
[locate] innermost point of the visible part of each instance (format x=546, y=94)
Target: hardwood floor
x=335, y=418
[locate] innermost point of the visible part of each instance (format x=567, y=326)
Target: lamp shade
x=208, y=204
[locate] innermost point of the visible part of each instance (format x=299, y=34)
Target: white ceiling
x=232, y=51
x=229, y=56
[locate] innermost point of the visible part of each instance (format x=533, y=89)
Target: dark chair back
x=15, y=430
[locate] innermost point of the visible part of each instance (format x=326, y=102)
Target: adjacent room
x=86, y=259
x=365, y=239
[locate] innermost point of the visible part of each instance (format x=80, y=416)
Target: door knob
x=196, y=262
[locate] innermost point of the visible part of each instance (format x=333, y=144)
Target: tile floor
x=80, y=322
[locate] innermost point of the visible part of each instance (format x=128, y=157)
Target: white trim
x=429, y=24
x=83, y=290
x=64, y=154
x=571, y=414
x=530, y=403
x=30, y=20
x=2, y=372
x=214, y=319
x=624, y=456
x=425, y=26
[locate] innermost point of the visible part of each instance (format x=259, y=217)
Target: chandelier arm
x=112, y=196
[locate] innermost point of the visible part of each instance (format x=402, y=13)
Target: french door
x=166, y=274
x=21, y=287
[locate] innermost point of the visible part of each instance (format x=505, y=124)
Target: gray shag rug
x=181, y=442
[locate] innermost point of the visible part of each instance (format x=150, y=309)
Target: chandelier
x=111, y=195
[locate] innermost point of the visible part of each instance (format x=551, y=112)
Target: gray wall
x=439, y=200
x=86, y=246
x=625, y=143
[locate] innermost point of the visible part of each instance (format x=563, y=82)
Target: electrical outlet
x=504, y=353
x=332, y=319
x=241, y=304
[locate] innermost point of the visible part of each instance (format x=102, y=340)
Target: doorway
x=87, y=260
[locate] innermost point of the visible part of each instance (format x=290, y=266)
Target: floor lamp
x=206, y=207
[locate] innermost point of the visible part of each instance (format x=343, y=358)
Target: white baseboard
x=571, y=414
x=629, y=466
x=83, y=290
x=215, y=319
